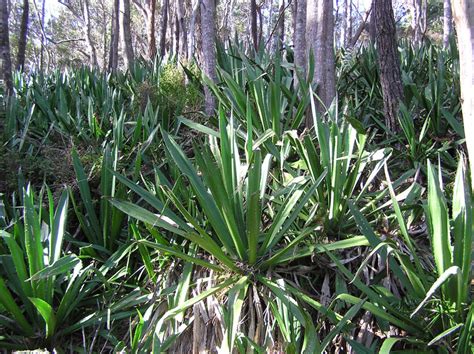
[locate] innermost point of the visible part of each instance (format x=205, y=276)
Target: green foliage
x=441, y=293
x=243, y=229
x=46, y=292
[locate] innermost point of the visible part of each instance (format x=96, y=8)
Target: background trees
x=388, y=61
x=463, y=11
x=23, y=36
x=5, y=47
x=112, y=34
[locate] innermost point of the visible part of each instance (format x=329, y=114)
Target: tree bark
x=253, y=23
x=447, y=23
x=183, y=42
x=43, y=39
x=192, y=27
x=151, y=6
x=279, y=35
x=372, y=27
x=463, y=13
x=300, y=39
x=164, y=26
x=87, y=30
x=388, y=62
x=344, y=37
x=5, y=56
x=419, y=20
x=177, y=35
x=126, y=34
x=208, y=9
x=22, y=39
x=105, y=15
x=320, y=38
x=114, y=41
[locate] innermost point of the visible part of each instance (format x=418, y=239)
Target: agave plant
x=236, y=198
x=442, y=314
x=46, y=293
x=340, y=149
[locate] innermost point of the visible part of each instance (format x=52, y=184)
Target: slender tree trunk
x=43, y=40
x=164, y=26
x=87, y=30
x=177, y=35
x=114, y=42
x=260, y=24
x=151, y=5
x=5, y=56
x=208, y=10
x=224, y=27
x=281, y=23
x=271, y=14
x=126, y=33
x=22, y=39
x=372, y=27
x=105, y=20
x=300, y=39
x=447, y=23
x=388, y=62
x=463, y=13
x=192, y=29
x=419, y=20
x=279, y=35
x=349, y=20
x=253, y=23
x=183, y=41
x=344, y=38
x=320, y=38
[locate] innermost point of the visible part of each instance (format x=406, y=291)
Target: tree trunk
x=87, y=30
x=349, y=20
x=20, y=63
x=105, y=15
x=320, y=38
x=372, y=27
x=151, y=10
x=126, y=34
x=192, y=27
x=114, y=41
x=463, y=13
x=419, y=20
x=279, y=35
x=6, y=60
x=281, y=23
x=253, y=23
x=388, y=62
x=43, y=39
x=447, y=23
x=300, y=40
x=183, y=41
x=208, y=9
x=177, y=35
x=164, y=26
x=344, y=37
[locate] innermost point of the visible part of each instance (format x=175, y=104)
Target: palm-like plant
x=444, y=315
x=236, y=197
x=45, y=293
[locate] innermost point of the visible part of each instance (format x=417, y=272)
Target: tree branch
x=62, y=41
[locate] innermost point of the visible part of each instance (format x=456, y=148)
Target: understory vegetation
x=131, y=221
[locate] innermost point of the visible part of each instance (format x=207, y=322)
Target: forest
x=237, y=176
